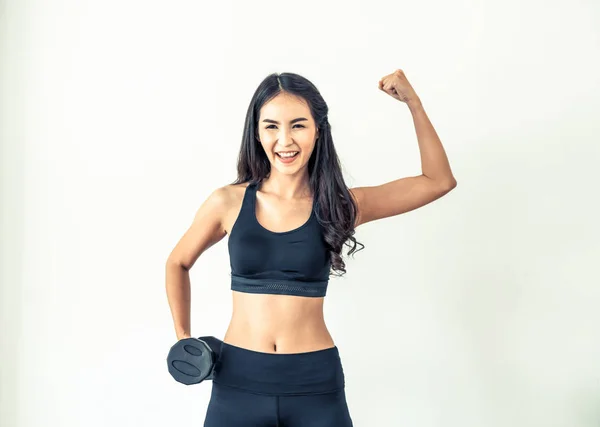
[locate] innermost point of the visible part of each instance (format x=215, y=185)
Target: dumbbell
x=192, y=360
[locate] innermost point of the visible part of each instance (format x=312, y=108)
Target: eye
x=270, y=126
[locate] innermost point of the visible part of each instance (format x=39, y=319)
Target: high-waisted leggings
x=256, y=389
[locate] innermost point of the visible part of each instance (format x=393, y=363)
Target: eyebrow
x=299, y=119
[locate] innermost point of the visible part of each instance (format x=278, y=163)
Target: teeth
x=288, y=154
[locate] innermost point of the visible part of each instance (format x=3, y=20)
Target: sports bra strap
x=249, y=200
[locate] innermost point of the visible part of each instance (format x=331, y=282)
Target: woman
x=288, y=216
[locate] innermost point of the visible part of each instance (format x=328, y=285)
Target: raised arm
x=205, y=230
x=408, y=193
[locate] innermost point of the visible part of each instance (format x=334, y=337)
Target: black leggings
x=255, y=389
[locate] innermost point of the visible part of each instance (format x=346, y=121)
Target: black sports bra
x=294, y=262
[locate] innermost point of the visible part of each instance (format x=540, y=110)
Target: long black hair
x=335, y=208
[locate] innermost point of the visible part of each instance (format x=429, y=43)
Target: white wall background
x=118, y=118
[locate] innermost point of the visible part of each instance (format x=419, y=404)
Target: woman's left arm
x=409, y=193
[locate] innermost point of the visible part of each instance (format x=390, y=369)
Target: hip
x=303, y=373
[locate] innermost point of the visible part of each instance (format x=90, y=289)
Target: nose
x=285, y=138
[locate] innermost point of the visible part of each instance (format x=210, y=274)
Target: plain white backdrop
x=119, y=117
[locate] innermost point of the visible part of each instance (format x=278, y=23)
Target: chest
x=253, y=250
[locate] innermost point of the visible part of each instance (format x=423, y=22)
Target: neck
x=287, y=187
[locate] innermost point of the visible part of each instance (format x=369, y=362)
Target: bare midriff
x=278, y=323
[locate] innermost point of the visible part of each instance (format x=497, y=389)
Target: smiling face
x=285, y=124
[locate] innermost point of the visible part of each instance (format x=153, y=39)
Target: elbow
x=448, y=185
x=175, y=263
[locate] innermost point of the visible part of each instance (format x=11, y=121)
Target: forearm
x=434, y=162
x=179, y=297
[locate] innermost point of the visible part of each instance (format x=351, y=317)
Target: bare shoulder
x=235, y=190
x=207, y=227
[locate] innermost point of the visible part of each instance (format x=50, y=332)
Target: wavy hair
x=335, y=208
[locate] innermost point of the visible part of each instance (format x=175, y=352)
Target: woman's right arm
x=205, y=230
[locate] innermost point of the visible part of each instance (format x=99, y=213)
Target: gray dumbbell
x=192, y=360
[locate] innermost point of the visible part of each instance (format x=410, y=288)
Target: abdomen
x=278, y=323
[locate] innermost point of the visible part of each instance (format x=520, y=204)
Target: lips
x=287, y=159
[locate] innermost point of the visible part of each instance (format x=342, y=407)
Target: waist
x=312, y=372
x=277, y=327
